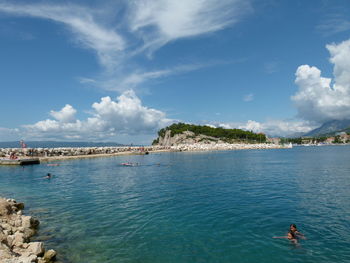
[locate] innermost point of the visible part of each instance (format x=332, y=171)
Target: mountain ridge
x=329, y=128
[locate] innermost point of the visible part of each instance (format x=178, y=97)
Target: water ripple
x=194, y=207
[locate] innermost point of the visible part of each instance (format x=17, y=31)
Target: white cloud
x=317, y=99
x=126, y=115
x=145, y=26
x=248, y=97
x=333, y=24
x=210, y=125
x=278, y=127
x=66, y=114
x=8, y=134
x=136, y=78
x=161, y=21
x=83, y=23
x=271, y=127
x=252, y=126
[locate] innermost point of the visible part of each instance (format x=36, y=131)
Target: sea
x=187, y=207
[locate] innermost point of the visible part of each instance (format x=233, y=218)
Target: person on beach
x=13, y=156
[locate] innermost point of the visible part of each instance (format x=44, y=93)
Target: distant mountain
x=346, y=130
x=56, y=144
x=329, y=128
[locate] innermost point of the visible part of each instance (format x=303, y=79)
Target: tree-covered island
x=206, y=134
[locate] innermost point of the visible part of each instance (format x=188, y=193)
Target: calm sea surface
x=192, y=207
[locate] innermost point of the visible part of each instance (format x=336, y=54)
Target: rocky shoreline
x=63, y=153
x=77, y=151
x=16, y=230
x=50, y=154
x=226, y=147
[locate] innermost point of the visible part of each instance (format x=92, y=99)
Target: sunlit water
x=192, y=207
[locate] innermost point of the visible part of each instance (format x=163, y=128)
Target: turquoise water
x=193, y=207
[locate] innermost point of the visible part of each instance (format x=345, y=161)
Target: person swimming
x=290, y=236
x=293, y=228
x=48, y=176
x=293, y=234
x=130, y=164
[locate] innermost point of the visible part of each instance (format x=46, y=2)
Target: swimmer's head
x=293, y=227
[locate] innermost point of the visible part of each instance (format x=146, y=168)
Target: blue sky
x=120, y=70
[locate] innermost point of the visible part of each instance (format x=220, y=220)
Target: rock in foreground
x=15, y=232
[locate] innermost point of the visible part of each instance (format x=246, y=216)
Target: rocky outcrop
x=188, y=141
x=15, y=233
x=186, y=137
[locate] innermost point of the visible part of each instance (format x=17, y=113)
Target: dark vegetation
x=227, y=135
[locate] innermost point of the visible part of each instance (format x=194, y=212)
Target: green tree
x=337, y=139
x=228, y=135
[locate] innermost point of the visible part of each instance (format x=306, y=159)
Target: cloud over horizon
x=110, y=118
x=126, y=37
x=282, y=128
x=321, y=99
x=118, y=39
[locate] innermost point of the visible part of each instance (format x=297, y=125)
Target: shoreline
x=16, y=231
x=73, y=153
x=102, y=155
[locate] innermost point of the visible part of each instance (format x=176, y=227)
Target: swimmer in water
x=293, y=228
x=48, y=176
x=290, y=236
x=293, y=234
